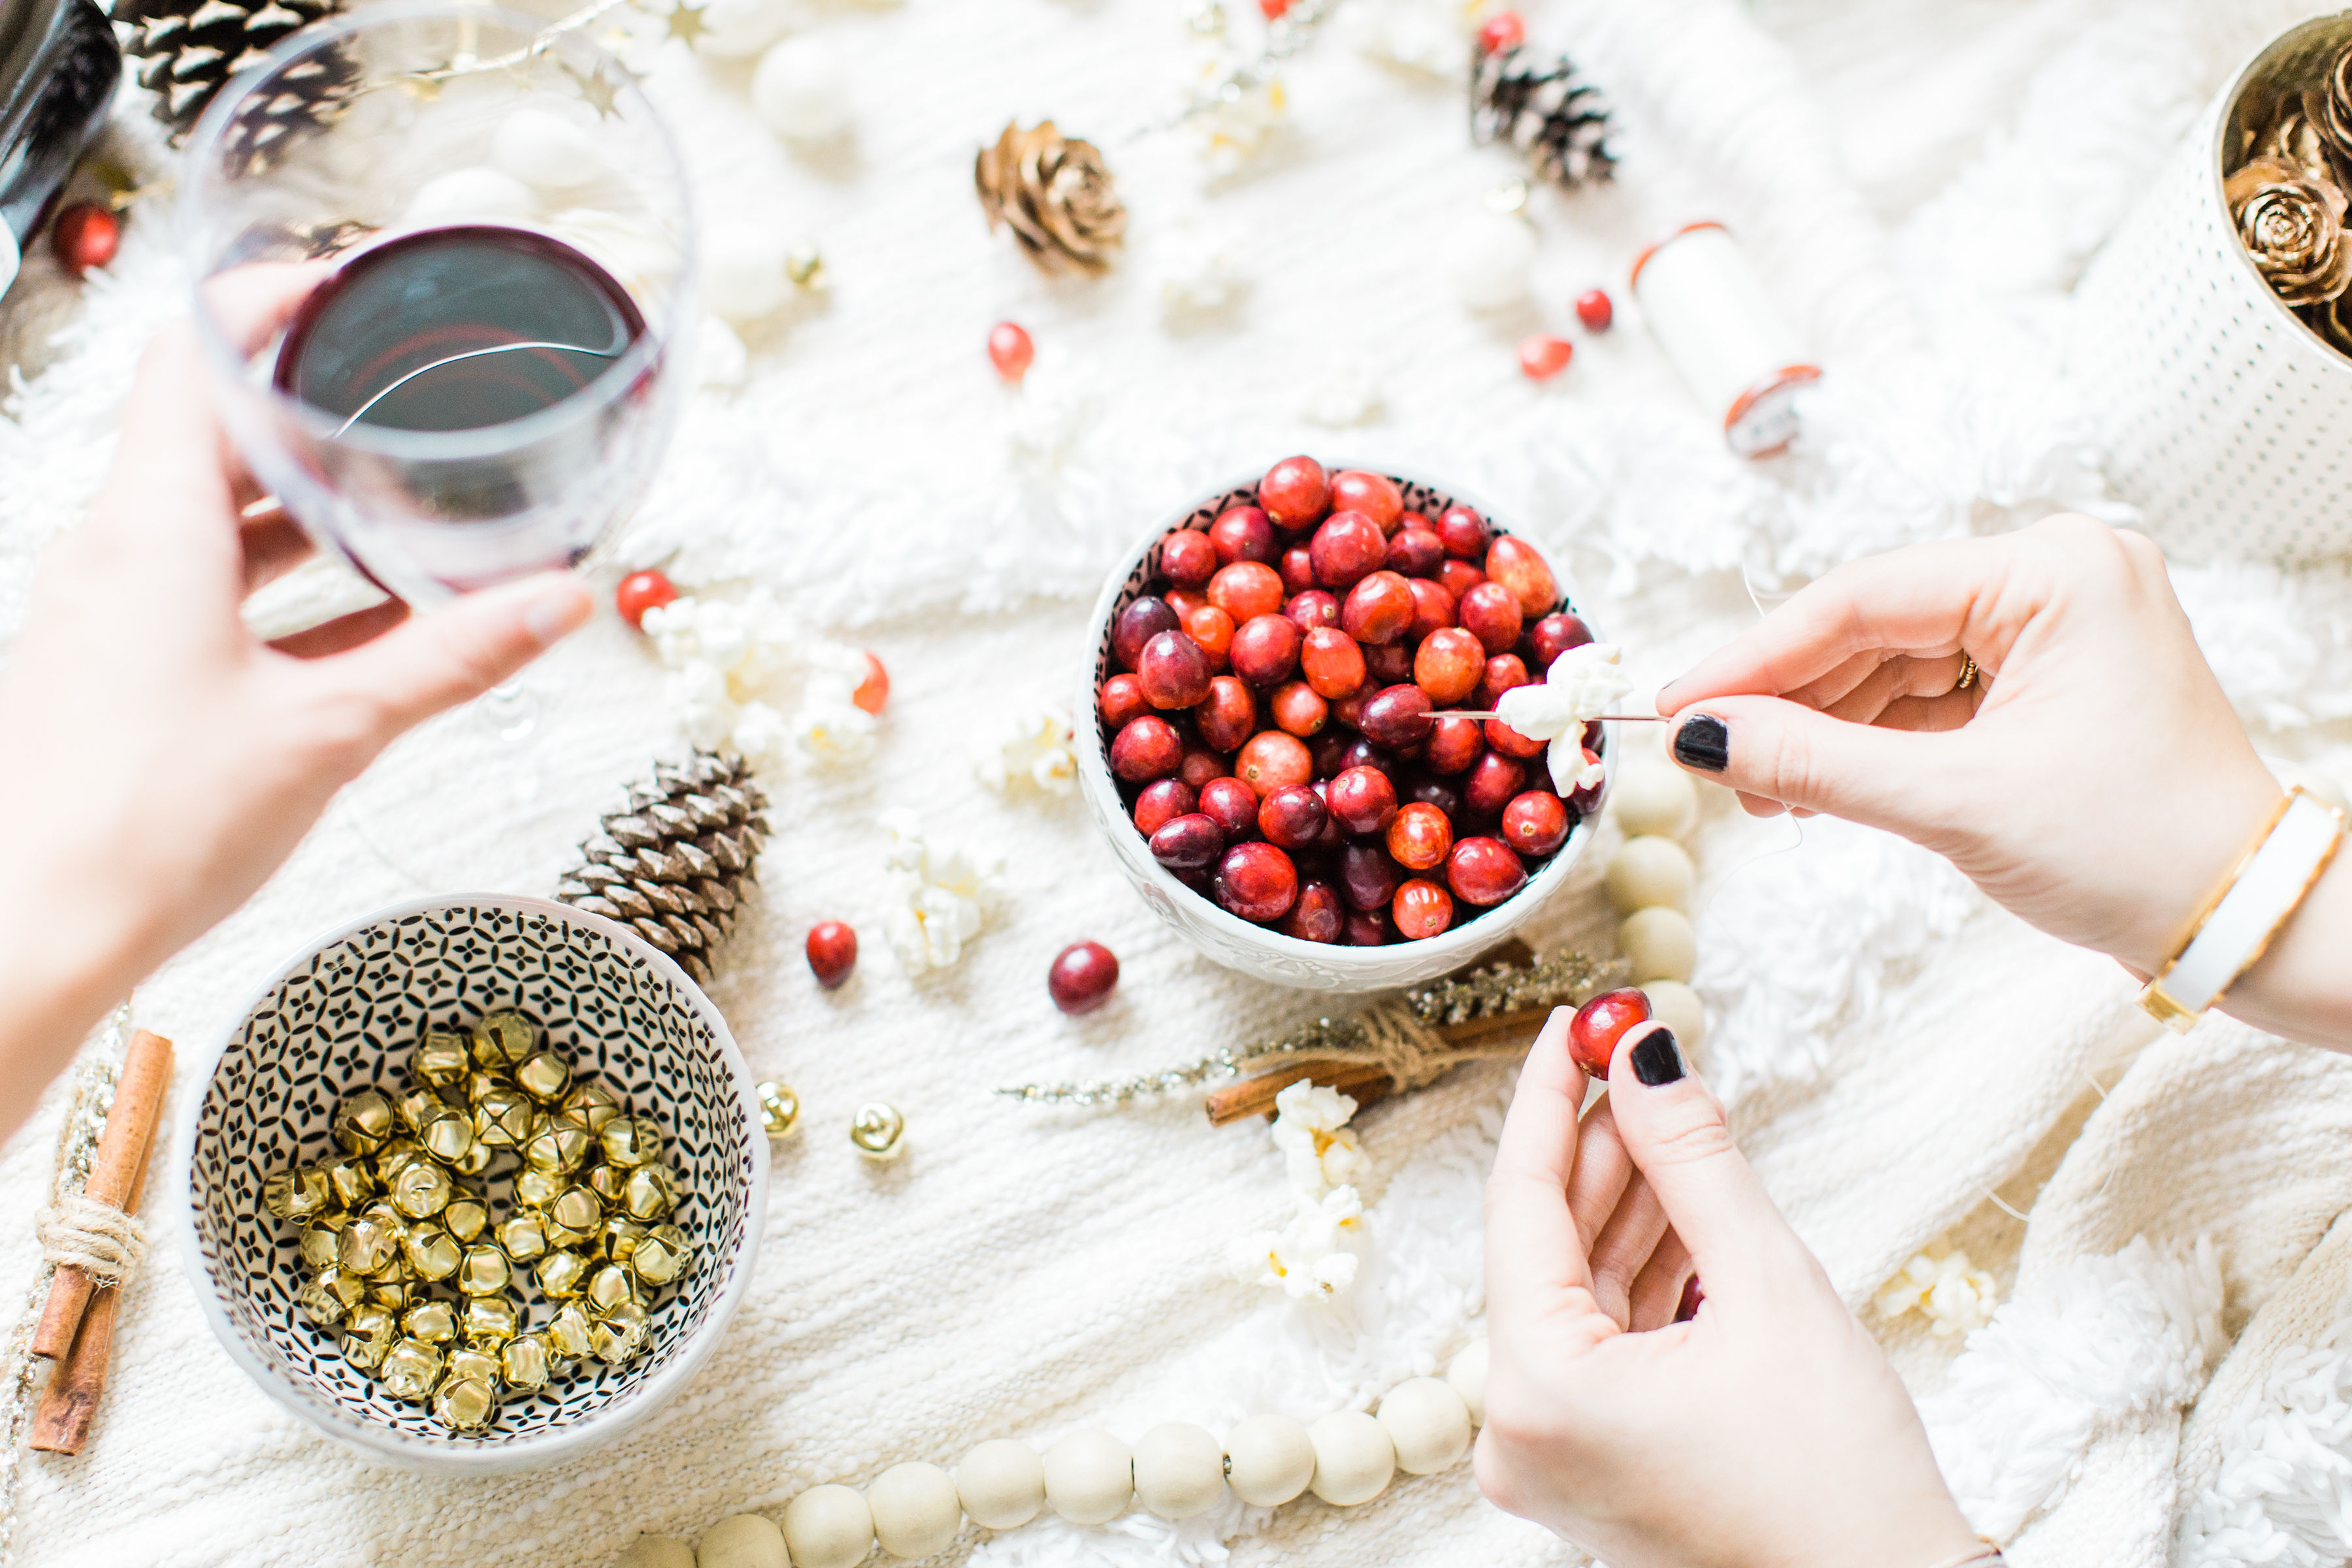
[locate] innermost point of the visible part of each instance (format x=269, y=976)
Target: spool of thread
x=1732, y=348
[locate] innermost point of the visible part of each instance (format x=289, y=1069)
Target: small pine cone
x=1550, y=111
x=2291, y=222
x=1056, y=195
x=188, y=50
x=671, y=867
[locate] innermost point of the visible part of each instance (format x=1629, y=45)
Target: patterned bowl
x=1225, y=937
x=344, y=1015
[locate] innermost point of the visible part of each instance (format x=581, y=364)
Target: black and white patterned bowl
x=345, y=1015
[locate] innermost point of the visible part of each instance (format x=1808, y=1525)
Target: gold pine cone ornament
x=2290, y=219
x=1055, y=194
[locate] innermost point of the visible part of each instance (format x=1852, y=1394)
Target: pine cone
x=1548, y=112
x=1056, y=195
x=672, y=867
x=2291, y=222
x=187, y=48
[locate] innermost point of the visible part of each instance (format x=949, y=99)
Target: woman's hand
x=164, y=762
x=1766, y=1429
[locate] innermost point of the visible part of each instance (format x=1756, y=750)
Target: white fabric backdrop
x=1919, y=179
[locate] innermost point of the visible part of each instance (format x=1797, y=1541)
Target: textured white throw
x=1919, y=181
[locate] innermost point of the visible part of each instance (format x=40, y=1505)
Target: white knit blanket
x=1920, y=180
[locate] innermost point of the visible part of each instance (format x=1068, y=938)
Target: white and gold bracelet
x=2248, y=910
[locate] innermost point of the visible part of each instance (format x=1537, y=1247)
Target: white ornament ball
x=1649, y=871
x=1659, y=943
x=1428, y=1424
x=475, y=192
x=547, y=150
x=655, y=1552
x=801, y=91
x=1180, y=1470
x=1651, y=796
x=1354, y=1459
x=744, y=274
x=829, y=1527
x=1272, y=1460
x=916, y=1509
x=1089, y=1476
x=738, y=29
x=1486, y=258
x=746, y=1540
x=1466, y=1374
x=1001, y=1483
x=1677, y=1006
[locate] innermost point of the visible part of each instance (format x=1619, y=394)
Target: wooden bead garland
x=1428, y=1424
x=1089, y=1476
x=1650, y=879
x=1269, y=1459
x=1354, y=1460
x=829, y=1527
x=1180, y=1470
x=1001, y=1483
x=745, y=1541
x=916, y=1509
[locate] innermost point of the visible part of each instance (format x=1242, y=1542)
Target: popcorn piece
x=1313, y=1258
x=1953, y=1296
x=1581, y=684
x=1036, y=747
x=1309, y=1127
x=948, y=892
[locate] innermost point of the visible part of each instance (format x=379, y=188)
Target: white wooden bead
x=916, y=1509
x=655, y=1552
x=743, y=273
x=738, y=29
x=1487, y=258
x=475, y=192
x=1180, y=1470
x=1659, y=943
x=1089, y=1476
x=1428, y=1424
x=1649, y=871
x=829, y=1527
x=746, y=1540
x=1272, y=1459
x=801, y=91
x=1354, y=1459
x=1466, y=1375
x=1677, y=1006
x=1653, y=796
x=546, y=150
x=1002, y=1483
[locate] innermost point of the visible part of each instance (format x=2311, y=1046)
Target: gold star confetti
x=685, y=23
x=602, y=95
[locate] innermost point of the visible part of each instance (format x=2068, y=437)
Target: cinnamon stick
x=69, y=1402
x=114, y=1176
x=1363, y=1082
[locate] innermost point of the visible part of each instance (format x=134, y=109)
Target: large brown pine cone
x=1054, y=194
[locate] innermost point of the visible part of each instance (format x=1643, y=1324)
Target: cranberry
x=1420, y=836
x=875, y=690
x=1501, y=33
x=1504, y=671
x=1515, y=566
x=1316, y=916
x=1436, y=791
x=1246, y=589
x=1137, y=624
x=1174, y=673
x=1010, y=350
x=1294, y=492
x=1415, y=552
x=1328, y=748
x=1593, y=309
x=1258, y=882
x=1348, y=547
x=1184, y=601
x=1542, y=357
x=1595, y=737
x=1586, y=800
x=1464, y=533
x=1432, y=606
x=1380, y=609
x=1231, y=805
x=1243, y=534
x=1228, y=715
x=1492, y=611
x=1421, y=909
x=1266, y=650
x=1332, y=662
x=1202, y=767
x=1122, y=699
x=1313, y=607
x=1388, y=664
x=640, y=592
x=1362, y=930
x=1374, y=495
x=1363, y=800
x=1349, y=711
x=1483, y=871
x=1274, y=10
x=1333, y=835
x=1448, y=665
x=1298, y=569
x=1535, y=823
x=1212, y=630
x=1502, y=737
x=1693, y=1299
x=1459, y=577
x=1292, y=816
x=1555, y=635
x=1600, y=1024
x=1188, y=558
x=1192, y=842
x=1082, y=976
x=1454, y=745
x=84, y=235
x=1145, y=747
x=1494, y=779
x=1299, y=710
x=832, y=952
x=1396, y=717
x=1163, y=801
x=1362, y=753
x=1273, y=759
x=1368, y=877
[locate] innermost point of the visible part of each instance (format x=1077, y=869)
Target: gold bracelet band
x=2248, y=910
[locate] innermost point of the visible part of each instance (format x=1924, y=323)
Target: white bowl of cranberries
x=1275, y=677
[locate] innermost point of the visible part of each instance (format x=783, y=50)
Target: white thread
x=103, y=1242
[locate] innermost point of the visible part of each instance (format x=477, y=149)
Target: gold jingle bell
x=878, y=1131
x=780, y=1108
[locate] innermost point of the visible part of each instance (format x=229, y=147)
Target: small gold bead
x=780, y=1108
x=878, y=1131
x=805, y=267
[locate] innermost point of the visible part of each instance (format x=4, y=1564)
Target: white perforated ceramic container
x=2226, y=420
x=1237, y=943
x=346, y=1014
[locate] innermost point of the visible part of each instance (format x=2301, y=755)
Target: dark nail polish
x=1657, y=1059
x=1703, y=743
